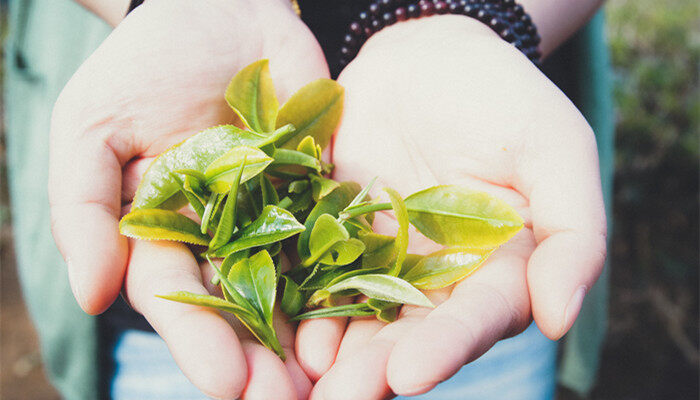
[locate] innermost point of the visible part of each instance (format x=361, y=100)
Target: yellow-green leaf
x=308, y=146
x=251, y=95
x=445, y=267
x=254, y=279
x=382, y=287
x=321, y=186
x=379, y=249
x=401, y=241
x=207, y=301
x=314, y=110
x=457, y=216
x=221, y=173
x=227, y=221
x=159, y=189
x=155, y=224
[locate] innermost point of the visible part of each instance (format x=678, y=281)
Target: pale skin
x=435, y=101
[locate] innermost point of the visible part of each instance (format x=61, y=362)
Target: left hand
x=443, y=100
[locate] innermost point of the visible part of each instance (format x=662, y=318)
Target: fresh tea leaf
x=273, y=224
x=349, y=310
x=386, y=311
x=157, y=224
x=343, y=252
x=227, y=221
x=194, y=201
x=268, y=191
x=445, y=267
x=292, y=300
x=383, y=287
x=379, y=249
x=221, y=173
x=401, y=241
x=293, y=157
x=457, y=216
x=298, y=186
x=326, y=232
x=251, y=95
x=321, y=186
x=209, y=211
x=207, y=301
x=226, y=265
x=308, y=146
x=158, y=189
x=254, y=279
x=314, y=110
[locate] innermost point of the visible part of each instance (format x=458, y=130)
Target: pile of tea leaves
x=265, y=188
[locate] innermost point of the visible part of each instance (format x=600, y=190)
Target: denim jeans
x=520, y=368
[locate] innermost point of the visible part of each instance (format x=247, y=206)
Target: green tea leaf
x=314, y=110
x=298, y=186
x=445, y=267
x=386, y=311
x=222, y=171
x=321, y=186
x=326, y=232
x=401, y=241
x=292, y=300
x=308, y=146
x=158, y=188
x=379, y=249
x=226, y=265
x=383, y=287
x=342, y=253
x=157, y=224
x=457, y=216
x=209, y=211
x=273, y=224
x=254, y=279
x=207, y=301
x=251, y=95
x=268, y=192
x=331, y=204
x=349, y=310
x=352, y=272
x=362, y=195
x=194, y=201
x=227, y=221
x=293, y=157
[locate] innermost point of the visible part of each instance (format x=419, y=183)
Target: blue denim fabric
x=520, y=368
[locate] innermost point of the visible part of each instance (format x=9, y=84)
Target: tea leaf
x=194, y=201
x=273, y=224
x=331, y=204
x=379, y=249
x=292, y=300
x=321, y=186
x=222, y=171
x=251, y=95
x=386, y=311
x=326, y=232
x=298, y=186
x=343, y=252
x=349, y=310
x=254, y=279
x=361, y=195
x=401, y=241
x=226, y=265
x=445, y=267
x=207, y=301
x=308, y=146
x=268, y=192
x=227, y=221
x=158, y=189
x=456, y=216
x=293, y=157
x=209, y=211
x=354, y=272
x=383, y=287
x=314, y=110
x=157, y=224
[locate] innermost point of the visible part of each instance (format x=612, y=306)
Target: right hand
x=156, y=80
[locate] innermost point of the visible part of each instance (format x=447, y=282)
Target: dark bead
x=518, y=10
x=343, y=63
x=531, y=30
x=363, y=17
x=349, y=40
x=533, y=54
x=510, y=16
x=463, y=3
x=519, y=28
x=345, y=51
x=488, y=7
x=470, y=10
x=508, y=3
x=453, y=8
x=440, y=7
x=376, y=25
x=388, y=18
x=355, y=28
x=483, y=15
x=525, y=19
x=517, y=43
x=373, y=9
x=386, y=4
x=507, y=34
x=413, y=11
x=400, y=14
x=368, y=32
x=427, y=9
x=536, y=39
x=448, y=2
x=497, y=23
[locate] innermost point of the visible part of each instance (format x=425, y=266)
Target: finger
x=202, y=343
x=131, y=176
x=488, y=306
x=84, y=195
x=268, y=377
x=560, y=175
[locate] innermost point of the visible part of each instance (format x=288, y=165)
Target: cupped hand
x=443, y=100
x=156, y=80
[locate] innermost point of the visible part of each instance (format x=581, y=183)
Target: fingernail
x=573, y=308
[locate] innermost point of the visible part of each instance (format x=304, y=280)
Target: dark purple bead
x=345, y=51
x=386, y=4
x=488, y=7
x=374, y=9
x=508, y=3
x=470, y=10
x=400, y=14
x=349, y=40
x=531, y=30
x=518, y=10
x=507, y=34
x=363, y=17
x=453, y=8
x=376, y=25
x=518, y=27
x=510, y=16
x=517, y=43
x=483, y=15
x=463, y=3
x=343, y=63
x=388, y=18
x=427, y=9
x=355, y=28
x=497, y=23
x=413, y=11
x=368, y=32
x=536, y=39
x=440, y=7
x=525, y=19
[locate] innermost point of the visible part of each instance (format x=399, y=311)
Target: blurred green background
x=652, y=344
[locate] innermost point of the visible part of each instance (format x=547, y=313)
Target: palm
x=422, y=116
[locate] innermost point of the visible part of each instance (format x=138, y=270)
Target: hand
x=157, y=79
x=443, y=100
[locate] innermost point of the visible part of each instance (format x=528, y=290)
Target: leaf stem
x=357, y=211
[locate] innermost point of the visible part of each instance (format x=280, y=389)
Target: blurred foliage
x=652, y=347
